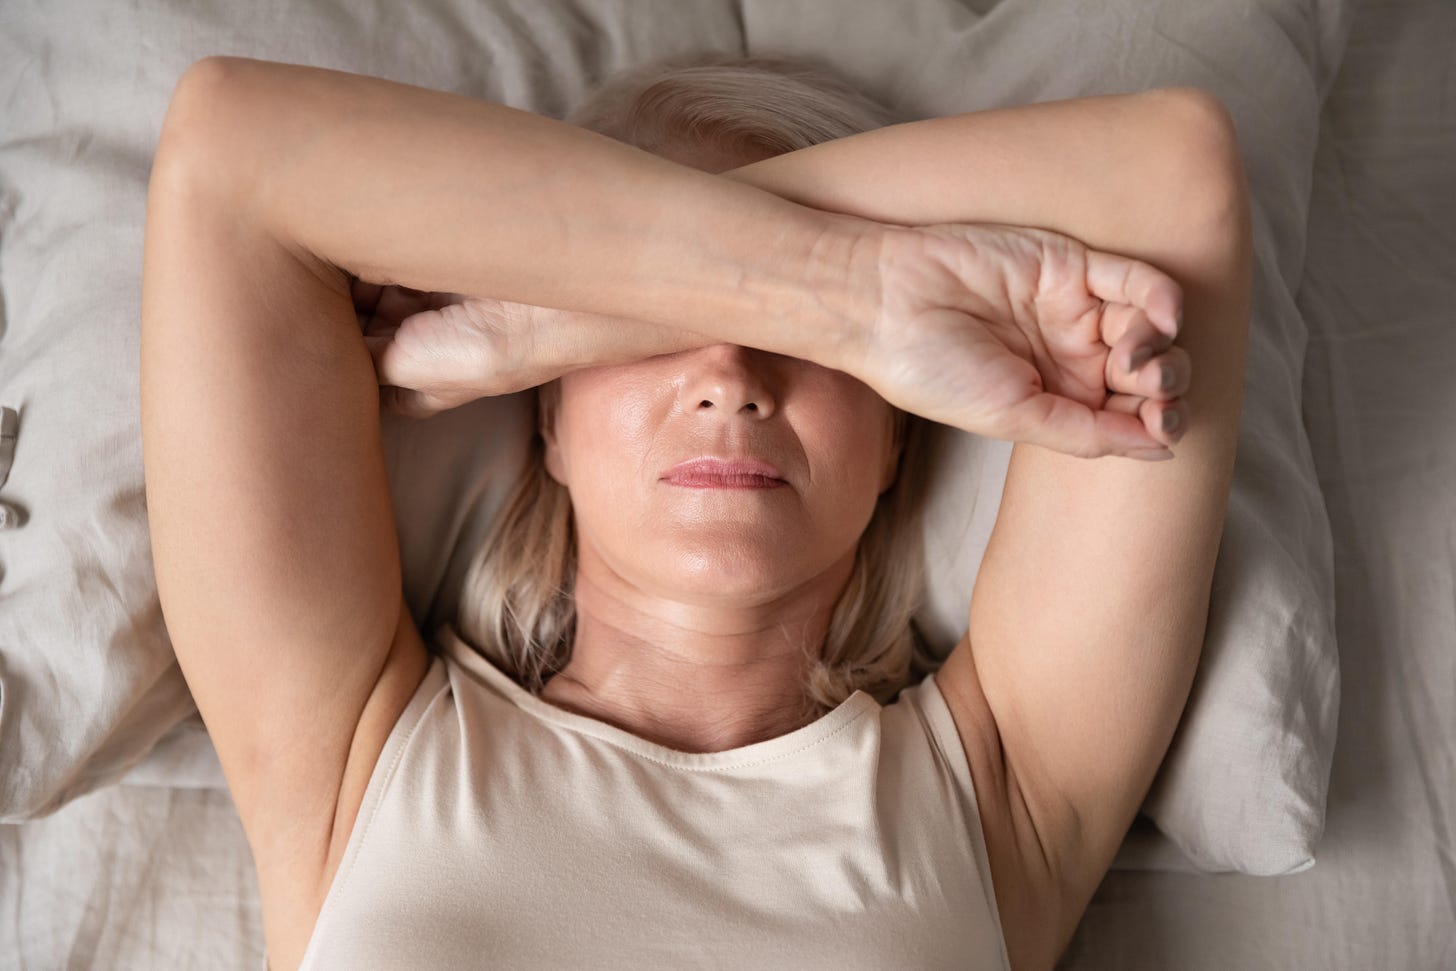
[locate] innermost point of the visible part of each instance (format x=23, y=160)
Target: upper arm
x=273, y=535
x=1090, y=606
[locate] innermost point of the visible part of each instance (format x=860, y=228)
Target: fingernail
x=1151, y=454
x=1167, y=378
x=1171, y=419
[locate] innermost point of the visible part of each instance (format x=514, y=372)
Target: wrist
x=840, y=294
x=559, y=341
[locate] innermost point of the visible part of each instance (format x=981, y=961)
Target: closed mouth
x=720, y=472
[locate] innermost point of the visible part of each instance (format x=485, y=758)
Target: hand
x=436, y=351
x=1027, y=335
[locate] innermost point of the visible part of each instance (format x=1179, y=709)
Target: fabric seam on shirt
x=967, y=784
x=715, y=768
x=534, y=707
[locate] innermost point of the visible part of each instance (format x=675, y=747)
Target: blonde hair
x=517, y=603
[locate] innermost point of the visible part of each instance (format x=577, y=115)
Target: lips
x=723, y=473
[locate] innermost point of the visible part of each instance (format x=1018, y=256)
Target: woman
x=661, y=785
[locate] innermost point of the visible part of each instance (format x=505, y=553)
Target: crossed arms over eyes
x=280, y=580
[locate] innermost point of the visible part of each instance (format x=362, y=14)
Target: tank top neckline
x=457, y=650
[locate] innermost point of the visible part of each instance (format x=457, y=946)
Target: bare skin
x=695, y=607
x=983, y=363
x=280, y=580
x=695, y=671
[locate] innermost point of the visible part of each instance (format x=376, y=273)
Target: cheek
x=606, y=447
x=603, y=419
x=611, y=429
x=847, y=436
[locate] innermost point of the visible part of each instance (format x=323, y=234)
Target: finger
x=1167, y=421
x=1151, y=413
x=1072, y=428
x=1118, y=279
x=365, y=297
x=1138, y=343
x=1164, y=376
x=386, y=309
x=436, y=300
x=391, y=367
x=407, y=402
x=1128, y=404
x=1117, y=318
x=1142, y=364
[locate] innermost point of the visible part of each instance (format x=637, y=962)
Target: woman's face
x=616, y=430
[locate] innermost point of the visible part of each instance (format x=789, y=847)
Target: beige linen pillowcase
x=88, y=682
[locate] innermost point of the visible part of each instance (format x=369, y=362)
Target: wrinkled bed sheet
x=1379, y=295
x=152, y=876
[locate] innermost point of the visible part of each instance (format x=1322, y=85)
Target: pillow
x=1244, y=783
x=88, y=683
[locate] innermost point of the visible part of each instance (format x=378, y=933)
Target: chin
x=731, y=572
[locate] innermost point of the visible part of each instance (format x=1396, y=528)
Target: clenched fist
x=1027, y=335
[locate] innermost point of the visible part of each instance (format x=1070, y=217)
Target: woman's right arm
x=1099, y=169
x=1091, y=603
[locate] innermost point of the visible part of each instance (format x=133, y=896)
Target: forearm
x=400, y=184
x=1100, y=169
x=1111, y=171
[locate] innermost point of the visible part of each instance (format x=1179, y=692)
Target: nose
x=728, y=379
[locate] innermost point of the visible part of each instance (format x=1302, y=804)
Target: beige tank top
x=500, y=831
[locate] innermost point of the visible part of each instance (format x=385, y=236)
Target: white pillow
x=88, y=683
x=88, y=679
x=1244, y=784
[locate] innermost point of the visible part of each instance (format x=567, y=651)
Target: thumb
x=391, y=364
x=1072, y=428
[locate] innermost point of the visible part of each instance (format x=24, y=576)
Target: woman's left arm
x=273, y=534
x=397, y=184
x=272, y=184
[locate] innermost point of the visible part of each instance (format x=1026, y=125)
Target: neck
x=701, y=676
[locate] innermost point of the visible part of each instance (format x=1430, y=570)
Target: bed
x=145, y=865
x=1379, y=293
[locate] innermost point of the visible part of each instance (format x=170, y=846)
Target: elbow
x=1209, y=180
x=1203, y=208
x=195, y=101
x=208, y=149
x=197, y=96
